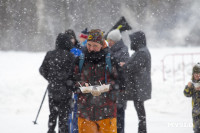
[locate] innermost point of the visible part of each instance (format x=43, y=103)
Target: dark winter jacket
x=97, y=107
x=119, y=51
x=138, y=69
x=57, y=68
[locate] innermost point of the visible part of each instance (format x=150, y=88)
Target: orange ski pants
x=108, y=125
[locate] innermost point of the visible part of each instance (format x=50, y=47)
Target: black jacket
x=138, y=69
x=119, y=51
x=57, y=68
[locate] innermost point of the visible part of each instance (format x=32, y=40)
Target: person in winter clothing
x=57, y=69
x=118, y=51
x=77, y=49
x=97, y=110
x=138, y=69
x=192, y=89
x=83, y=37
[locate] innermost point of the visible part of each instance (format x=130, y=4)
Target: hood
x=63, y=42
x=72, y=35
x=138, y=40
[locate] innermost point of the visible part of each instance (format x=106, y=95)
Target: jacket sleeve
x=135, y=63
x=44, y=67
x=124, y=55
x=117, y=82
x=188, y=91
x=76, y=77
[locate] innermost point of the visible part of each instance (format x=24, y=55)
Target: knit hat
x=115, y=35
x=96, y=35
x=84, y=34
x=196, y=68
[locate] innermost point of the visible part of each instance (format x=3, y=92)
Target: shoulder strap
x=108, y=66
x=81, y=61
x=108, y=62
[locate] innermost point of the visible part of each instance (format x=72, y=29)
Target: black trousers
x=59, y=109
x=120, y=117
x=139, y=106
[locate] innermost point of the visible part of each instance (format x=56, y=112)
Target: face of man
x=93, y=46
x=111, y=42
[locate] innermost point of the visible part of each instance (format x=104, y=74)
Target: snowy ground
x=22, y=89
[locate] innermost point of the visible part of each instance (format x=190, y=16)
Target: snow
x=22, y=89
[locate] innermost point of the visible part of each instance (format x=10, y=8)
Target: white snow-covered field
x=22, y=89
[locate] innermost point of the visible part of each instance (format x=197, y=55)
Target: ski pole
x=35, y=122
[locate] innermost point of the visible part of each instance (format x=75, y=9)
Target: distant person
x=138, y=69
x=83, y=37
x=77, y=49
x=192, y=89
x=119, y=51
x=57, y=70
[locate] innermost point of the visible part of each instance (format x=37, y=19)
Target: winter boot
x=51, y=131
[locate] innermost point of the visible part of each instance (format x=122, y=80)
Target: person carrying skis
x=97, y=110
x=57, y=69
x=192, y=89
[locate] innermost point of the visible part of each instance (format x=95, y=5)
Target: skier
x=192, y=89
x=119, y=51
x=138, y=70
x=97, y=110
x=57, y=70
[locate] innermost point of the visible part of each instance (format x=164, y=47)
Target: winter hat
x=115, y=35
x=196, y=68
x=84, y=34
x=96, y=35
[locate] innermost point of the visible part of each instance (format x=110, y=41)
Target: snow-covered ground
x=22, y=89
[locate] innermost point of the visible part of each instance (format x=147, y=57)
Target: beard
x=95, y=57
